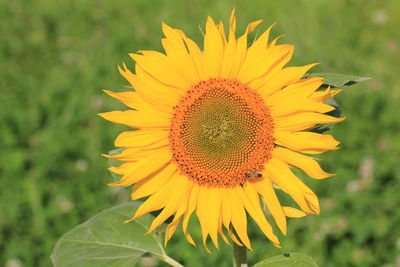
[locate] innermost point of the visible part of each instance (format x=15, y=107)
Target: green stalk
x=239, y=255
x=165, y=258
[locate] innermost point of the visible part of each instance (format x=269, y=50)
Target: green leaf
x=338, y=80
x=105, y=240
x=288, y=260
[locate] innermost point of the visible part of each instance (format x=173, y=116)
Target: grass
x=56, y=56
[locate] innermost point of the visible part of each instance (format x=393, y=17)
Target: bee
x=253, y=175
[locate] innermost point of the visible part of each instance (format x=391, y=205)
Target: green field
x=57, y=56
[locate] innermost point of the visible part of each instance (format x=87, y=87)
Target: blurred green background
x=56, y=56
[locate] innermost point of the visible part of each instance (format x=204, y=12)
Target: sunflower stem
x=239, y=255
x=166, y=259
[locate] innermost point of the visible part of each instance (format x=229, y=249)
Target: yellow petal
x=230, y=54
x=134, y=100
x=303, y=120
x=221, y=29
x=202, y=213
x=213, y=214
x=309, y=165
x=213, y=49
x=311, y=197
x=155, y=201
x=229, y=58
x=299, y=105
x=221, y=232
x=240, y=52
x=225, y=208
x=178, y=54
x=170, y=230
x=283, y=78
x=196, y=56
x=259, y=59
x=143, y=167
x=156, y=64
x=273, y=42
x=262, y=65
x=183, y=207
x=129, y=98
x=234, y=237
x=280, y=174
x=173, y=201
x=232, y=22
x=142, y=138
x=301, y=89
x=223, y=236
x=261, y=42
x=138, y=119
x=293, y=213
x=297, y=97
x=275, y=65
x=161, y=97
x=239, y=220
x=307, y=142
x=177, y=217
x=133, y=154
x=251, y=202
x=154, y=183
x=253, y=25
x=324, y=95
x=174, y=36
x=226, y=211
x=194, y=195
x=266, y=190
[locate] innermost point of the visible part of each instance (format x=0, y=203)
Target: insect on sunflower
x=216, y=129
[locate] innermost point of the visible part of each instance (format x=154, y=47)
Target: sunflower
x=216, y=130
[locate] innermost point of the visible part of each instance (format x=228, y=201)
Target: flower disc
x=220, y=131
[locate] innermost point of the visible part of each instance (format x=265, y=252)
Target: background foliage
x=56, y=56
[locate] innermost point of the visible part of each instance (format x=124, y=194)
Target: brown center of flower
x=221, y=133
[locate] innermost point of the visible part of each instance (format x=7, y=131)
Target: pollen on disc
x=221, y=130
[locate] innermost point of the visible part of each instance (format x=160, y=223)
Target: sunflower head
x=215, y=129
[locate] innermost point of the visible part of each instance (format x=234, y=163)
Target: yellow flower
x=216, y=130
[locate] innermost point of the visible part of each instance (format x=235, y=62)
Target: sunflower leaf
x=338, y=80
x=107, y=241
x=288, y=260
